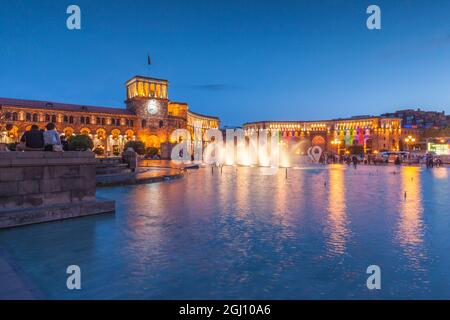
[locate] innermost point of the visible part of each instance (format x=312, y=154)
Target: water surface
x=243, y=235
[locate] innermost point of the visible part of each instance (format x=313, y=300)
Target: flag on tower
x=149, y=60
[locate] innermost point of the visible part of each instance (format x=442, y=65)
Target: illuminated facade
x=369, y=134
x=149, y=116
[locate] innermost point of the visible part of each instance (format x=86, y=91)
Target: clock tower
x=147, y=98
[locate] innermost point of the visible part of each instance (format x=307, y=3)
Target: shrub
x=151, y=151
x=138, y=147
x=12, y=146
x=99, y=151
x=80, y=143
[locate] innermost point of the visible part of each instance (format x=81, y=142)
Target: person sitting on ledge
x=52, y=142
x=32, y=140
x=64, y=142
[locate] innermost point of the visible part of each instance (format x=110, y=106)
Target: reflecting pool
x=243, y=235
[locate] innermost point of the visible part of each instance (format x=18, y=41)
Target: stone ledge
x=22, y=217
x=46, y=154
x=39, y=162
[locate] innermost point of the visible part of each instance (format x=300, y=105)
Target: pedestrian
x=32, y=140
x=52, y=142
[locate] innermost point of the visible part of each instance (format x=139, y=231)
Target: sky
x=241, y=60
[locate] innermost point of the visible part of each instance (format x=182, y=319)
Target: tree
x=80, y=142
x=138, y=147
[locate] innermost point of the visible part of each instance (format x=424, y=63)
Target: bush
x=80, y=143
x=151, y=152
x=138, y=147
x=12, y=146
x=99, y=151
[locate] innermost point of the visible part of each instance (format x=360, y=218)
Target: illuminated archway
x=129, y=134
x=13, y=133
x=318, y=141
x=85, y=131
x=68, y=131
x=115, y=134
x=101, y=134
x=153, y=141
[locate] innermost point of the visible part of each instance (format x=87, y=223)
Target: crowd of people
x=37, y=139
x=429, y=160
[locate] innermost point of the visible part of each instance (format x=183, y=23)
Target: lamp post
x=409, y=140
x=337, y=143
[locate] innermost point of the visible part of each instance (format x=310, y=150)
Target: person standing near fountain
x=355, y=161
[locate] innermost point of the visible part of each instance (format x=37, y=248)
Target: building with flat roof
x=366, y=133
x=149, y=116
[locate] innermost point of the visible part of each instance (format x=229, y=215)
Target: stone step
x=112, y=170
x=115, y=179
x=138, y=177
x=109, y=160
x=104, y=165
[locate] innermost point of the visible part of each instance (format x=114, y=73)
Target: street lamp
x=336, y=142
x=410, y=140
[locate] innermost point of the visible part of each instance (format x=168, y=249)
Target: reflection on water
x=440, y=173
x=410, y=234
x=337, y=218
x=410, y=220
x=238, y=234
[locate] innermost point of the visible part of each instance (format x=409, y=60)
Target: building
x=365, y=134
x=419, y=119
x=420, y=125
x=149, y=116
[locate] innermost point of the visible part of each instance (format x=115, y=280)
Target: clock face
x=152, y=107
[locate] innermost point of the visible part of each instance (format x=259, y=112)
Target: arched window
x=88, y=120
x=54, y=118
x=28, y=116
x=161, y=123
x=143, y=123
x=113, y=121
x=15, y=116
x=70, y=119
x=117, y=122
x=101, y=134
x=35, y=117
x=82, y=120
x=47, y=118
x=7, y=115
x=66, y=119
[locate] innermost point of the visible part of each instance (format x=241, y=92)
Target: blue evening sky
x=242, y=60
